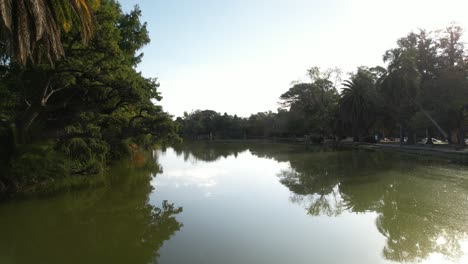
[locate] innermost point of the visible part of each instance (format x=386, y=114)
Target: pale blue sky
x=238, y=56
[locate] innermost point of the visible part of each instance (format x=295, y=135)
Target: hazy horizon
x=240, y=56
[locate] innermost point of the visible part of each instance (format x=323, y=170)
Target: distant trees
x=314, y=102
x=198, y=123
x=422, y=92
x=208, y=124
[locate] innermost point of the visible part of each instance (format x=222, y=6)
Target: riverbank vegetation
x=71, y=99
x=90, y=218
x=422, y=92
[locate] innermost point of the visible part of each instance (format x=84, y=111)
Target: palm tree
x=357, y=103
x=32, y=28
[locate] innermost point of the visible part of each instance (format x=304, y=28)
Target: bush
x=120, y=150
x=86, y=156
x=36, y=163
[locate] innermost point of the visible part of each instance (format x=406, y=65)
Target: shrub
x=86, y=156
x=36, y=163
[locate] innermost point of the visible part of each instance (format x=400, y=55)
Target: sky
x=239, y=56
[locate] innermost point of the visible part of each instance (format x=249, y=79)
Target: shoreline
x=437, y=151
x=79, y=182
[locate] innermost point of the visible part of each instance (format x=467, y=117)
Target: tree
x=84, y=74
x=357, y=105
x=400, y=85
x=200, y=123
x=430, y=102
x=409, y=69
x=452, y=80
x=316, y=102
x=88, y=108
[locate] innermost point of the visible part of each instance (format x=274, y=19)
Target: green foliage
x=89, y=107
x=87, y=156
x=315, y=103
x=7, y=142
x=427, y=73
x=358, y=102
x=36, y=163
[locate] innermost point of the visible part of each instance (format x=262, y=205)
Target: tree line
x=422, y=92
x=71, y=99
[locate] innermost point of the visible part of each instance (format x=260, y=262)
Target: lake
x=251, y=203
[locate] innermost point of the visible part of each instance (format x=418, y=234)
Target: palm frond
x=34, y=26
x=5, y=12
x=37, y=11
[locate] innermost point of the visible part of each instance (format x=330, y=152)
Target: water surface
x=257, y=203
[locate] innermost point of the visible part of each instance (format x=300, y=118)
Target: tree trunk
x=461, y=131
x=402, y=135
x=355, y=133
x=355, y=139
x=25, y=121
x=429, y=136
x=411, y=137
x=449, y=140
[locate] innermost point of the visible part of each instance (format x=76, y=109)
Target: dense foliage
x=421, y=93
x=73, y=116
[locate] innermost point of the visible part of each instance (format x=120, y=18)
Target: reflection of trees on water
x=112, y=224
x=208, y=152
x=213, y=151
x=422, y=208
x=422, y=204
x=422, y=217
x=321, y=204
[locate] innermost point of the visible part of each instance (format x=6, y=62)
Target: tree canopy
x=88, y=108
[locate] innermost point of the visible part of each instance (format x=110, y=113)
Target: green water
x=258, y=203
